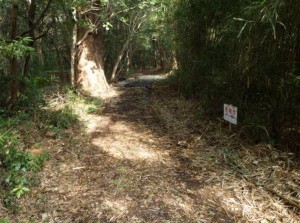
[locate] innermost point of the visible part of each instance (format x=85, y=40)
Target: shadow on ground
x=142, y=160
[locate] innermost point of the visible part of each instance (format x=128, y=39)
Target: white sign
x=230, y=114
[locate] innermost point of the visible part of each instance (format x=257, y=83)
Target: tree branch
x=84, y=37
x=39, y=19
x=125, y=10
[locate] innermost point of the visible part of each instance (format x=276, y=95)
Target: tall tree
x=133, y=25
x=31, y=30
x=87, y=58
x=13, y=61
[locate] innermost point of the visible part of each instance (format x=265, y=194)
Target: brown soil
x=143, y=157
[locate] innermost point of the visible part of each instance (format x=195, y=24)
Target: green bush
x=63, y=118
x=93, y=105
x=4, y=220
x=16, y=166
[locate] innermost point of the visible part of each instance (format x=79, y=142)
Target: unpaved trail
x=145, y=158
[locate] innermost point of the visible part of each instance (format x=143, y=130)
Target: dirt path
x=144, y=158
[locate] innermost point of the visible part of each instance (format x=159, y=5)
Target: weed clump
x=16, y=167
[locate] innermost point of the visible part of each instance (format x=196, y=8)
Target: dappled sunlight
x=117, y=207
x=132, y=153
x=122, y=141
x=120, y=136
x=138, y=162
x=238, y=202
x=180, y=204
x=93, y=123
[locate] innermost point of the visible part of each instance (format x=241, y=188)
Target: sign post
x=230, y=115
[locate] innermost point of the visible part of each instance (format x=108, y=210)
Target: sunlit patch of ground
x=144, y=158
x=120, y=140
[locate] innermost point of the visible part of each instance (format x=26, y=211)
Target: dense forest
x=243, y=53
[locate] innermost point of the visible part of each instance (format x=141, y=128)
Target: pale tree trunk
x=134, y=26
x=119, y=58
x=89, y=69
x=73, y=51
x=90, y=65
x=128, y=60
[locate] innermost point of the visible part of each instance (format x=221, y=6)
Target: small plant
x=63, y=118
x=17, y=167
x=19, y=190
x=94, y=105
x=4, y=220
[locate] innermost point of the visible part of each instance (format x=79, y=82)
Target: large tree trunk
x=90, y=67
x=90, y=74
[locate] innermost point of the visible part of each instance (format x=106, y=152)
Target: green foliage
x=137, y=21
x=17, y=48
x=69, y=110
x=94, y=105
x=63, y=119
x=4, y=80
x=16, y=166
x=32, y=97
x=82, y=105
x=4, y=220
x=244, y=53
x=29, y=99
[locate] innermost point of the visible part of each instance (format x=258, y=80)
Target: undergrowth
x=16, y=166
x=55, y=114
x=4, y=220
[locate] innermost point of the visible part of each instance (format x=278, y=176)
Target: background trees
x=244, y=53
x=71, y=40
x=18, y=37
x=241, y=52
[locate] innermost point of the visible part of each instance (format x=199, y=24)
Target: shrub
x=16, y=166
x=63, y=118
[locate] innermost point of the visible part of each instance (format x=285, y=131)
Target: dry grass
x=145, y=158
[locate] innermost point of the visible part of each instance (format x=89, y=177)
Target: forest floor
x=144, y=157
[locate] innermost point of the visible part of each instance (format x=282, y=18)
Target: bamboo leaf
x=241, y=31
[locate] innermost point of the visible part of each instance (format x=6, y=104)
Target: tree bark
x=90, y=67
x=73, y=51
x=119, y=58
x=297, y=55
x=128, y=60
x=39, y=49
x=89, y=60
x=31, y=18
x=14, y=84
